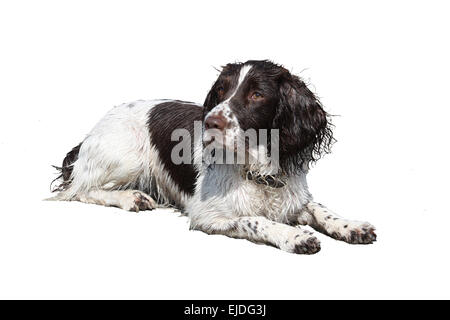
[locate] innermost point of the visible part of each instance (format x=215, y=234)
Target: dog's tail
x=65, y=173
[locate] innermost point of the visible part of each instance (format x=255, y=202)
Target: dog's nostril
x=215, y=122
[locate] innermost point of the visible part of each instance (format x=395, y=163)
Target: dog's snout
x=215, y=122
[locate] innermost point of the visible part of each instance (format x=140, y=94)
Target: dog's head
x=263, y=95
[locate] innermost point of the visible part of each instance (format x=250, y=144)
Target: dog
x=127, y=160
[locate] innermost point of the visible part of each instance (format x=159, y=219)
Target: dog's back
x=130, y=148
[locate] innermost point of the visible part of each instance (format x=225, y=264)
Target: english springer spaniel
x=134, y=159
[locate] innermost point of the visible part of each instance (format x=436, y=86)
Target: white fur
x=334, y=225
x=130, y=200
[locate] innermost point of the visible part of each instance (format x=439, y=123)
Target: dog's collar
x=272, y=180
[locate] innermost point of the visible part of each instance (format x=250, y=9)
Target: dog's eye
x=220, y=90
x=257, y=96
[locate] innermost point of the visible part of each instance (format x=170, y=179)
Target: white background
x=381, y=66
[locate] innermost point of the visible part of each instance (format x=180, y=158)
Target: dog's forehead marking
x=242, y=74
x=224, y=106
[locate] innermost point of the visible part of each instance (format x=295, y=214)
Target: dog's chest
x=222, y=190
x=277, y=204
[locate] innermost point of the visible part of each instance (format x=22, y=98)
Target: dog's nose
x=215, y=122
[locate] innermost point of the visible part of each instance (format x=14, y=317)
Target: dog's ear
x=304, y=126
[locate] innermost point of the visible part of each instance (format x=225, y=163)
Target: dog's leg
x=325, y=221
x=262, y=230
x=130, y=200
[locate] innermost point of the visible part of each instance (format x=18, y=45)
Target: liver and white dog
x=128, y=160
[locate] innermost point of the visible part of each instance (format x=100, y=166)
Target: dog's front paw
x=134, y=200
x=355, y=232
x=309, y=246
x=301, y=242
